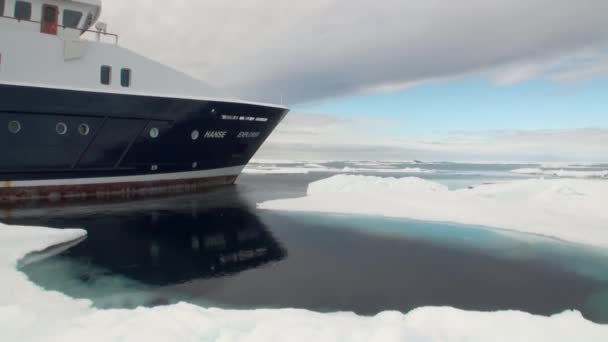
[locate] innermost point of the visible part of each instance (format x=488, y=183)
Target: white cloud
x=519, y=73
x=581, y=65
x=587, y=71
x=313, y=49
x=298, y=128
x=308, y=136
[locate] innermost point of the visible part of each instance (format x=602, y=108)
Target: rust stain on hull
x=10, y=195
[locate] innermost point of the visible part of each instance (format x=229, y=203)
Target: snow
x=567, y=209
x=29, y=313
x=555, y=165
x=314, y=166
x=566, y=165
x=562, y=173
x=528, y=171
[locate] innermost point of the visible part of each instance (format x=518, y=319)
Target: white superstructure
x=51, y=44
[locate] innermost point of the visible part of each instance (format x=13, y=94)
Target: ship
x=81, y=116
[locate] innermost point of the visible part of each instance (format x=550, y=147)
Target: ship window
x=154, y=133
x=49, y=14
x=1, y=7
x=106, y=72
x=14, y=126
x=194, y=135
x=23, y=10
x=71, y=19
x=84, y=129
x=125, y=77
x=61, y=128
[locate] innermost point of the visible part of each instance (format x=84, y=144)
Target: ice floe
x=564, y=173
x=568, y=209
x=29, y=313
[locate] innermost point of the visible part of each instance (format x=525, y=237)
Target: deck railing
x=98, y=33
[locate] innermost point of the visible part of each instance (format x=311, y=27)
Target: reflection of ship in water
x=166, y=241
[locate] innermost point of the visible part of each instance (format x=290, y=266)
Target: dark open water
x=217, y=249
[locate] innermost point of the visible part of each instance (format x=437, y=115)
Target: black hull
x=37, y=161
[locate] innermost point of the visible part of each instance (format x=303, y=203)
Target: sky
x=469, y=80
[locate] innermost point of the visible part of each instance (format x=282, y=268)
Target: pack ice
x=568, y=209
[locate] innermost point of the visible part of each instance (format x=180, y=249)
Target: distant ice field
x=451, y=174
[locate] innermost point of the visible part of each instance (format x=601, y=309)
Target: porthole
x=194, y=135
x=14, y=126
x=154, y=167
x=154, y=132
x=61, y=128
x=84, y=129
x=194, y=165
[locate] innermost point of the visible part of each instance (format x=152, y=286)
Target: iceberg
x=568, y=209
x=29, y=313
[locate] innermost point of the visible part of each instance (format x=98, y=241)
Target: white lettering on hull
x=244, y=118
x=248, y=135
x=215, y=135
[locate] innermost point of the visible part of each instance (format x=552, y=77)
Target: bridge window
x=125, y=77
x=71, y=18
x=106, y=74
x=23, y=10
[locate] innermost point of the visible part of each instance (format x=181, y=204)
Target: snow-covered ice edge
x=568, y=209
x=29, y=313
